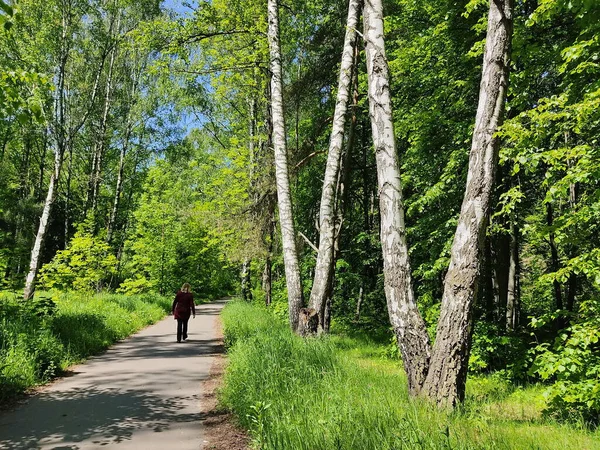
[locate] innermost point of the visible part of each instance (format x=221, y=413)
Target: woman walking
x=183, y=305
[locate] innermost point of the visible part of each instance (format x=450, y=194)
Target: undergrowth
x=40, y=338
x=344, y=392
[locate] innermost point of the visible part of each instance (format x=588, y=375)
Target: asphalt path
x=143, y=393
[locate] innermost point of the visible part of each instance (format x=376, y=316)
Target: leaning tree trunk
x=59, y=151
x=445, y=383
x=34, y=263
x=284, y=197
x=402, y=307
x=64, y=136
x=327, y=229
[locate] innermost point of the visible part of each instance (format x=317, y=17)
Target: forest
x=420, y=176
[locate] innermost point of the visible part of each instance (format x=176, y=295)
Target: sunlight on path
x=143, y=393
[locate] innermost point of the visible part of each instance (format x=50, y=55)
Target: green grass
x=40, y=339
x=341, y=392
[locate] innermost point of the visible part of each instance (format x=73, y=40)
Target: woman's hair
x=186, y=287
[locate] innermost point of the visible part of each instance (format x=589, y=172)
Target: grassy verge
x=41, y=338
x=341, y=393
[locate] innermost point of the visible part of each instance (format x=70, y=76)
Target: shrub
x=572, y=363
x=85, y=265
x=494, y=349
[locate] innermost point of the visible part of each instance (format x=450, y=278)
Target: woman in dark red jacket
x=183, y=306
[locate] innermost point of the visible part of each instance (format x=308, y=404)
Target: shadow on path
x=110, y=416
x=143, y=393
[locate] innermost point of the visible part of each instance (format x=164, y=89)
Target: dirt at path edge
x=221, y=430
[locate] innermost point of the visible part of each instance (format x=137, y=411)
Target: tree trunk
x=501, y=261
x=68, y=198
x=119, y=186
x=42, y=228
x=308, y=322
x=122, y=158
x=572, y=282
x=63, y=138
x=284, y=198
x=554, y=260
x=246, y=288
x=266, y=281
x=267, y=278
x=327, y=230
x=40, y=185
x=445, y=383
x=361, y=295
x=101, y=139
x=402, y=306
x=512, y=301
x=59, y=151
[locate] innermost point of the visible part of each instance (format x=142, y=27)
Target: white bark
x=284, y=198
x=512, y=311
x=119, y=186
x=63, y=137
x=43, y=227
x=402, y=307
x=446, y=379
x=327, y=229
x=101, y=139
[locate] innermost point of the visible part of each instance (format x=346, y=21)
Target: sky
x=187, y=121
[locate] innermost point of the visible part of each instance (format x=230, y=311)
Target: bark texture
x=59, y=151
x=284, y=198
x=445, y=383
x=34, y=263
x=327, y=228
x=402, y=307
x=307, y=322
x=512, y=298
x=63, y=132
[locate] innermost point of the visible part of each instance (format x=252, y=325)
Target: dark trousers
x=182, y=328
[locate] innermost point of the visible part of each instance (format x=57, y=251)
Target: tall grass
x=324, y=393
x=41, y=338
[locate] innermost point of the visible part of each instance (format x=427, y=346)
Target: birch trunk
x=512, y=302
x=325, y=258
x=284, y=198
x=63, y=138
x=123, y=154
x=42, y=228
x=445, y=383
x=101, y=140
x=59, y=151
x=246, y=288
x=119, y=186
x=68, y=197
x=408, y=324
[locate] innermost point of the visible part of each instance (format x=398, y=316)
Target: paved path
x=143, y=393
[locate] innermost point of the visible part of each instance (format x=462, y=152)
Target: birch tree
x=64, y=129
x=325, y=258
x=439, y=372
x=408, y=324
x=447, y=374
x=284, y=198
